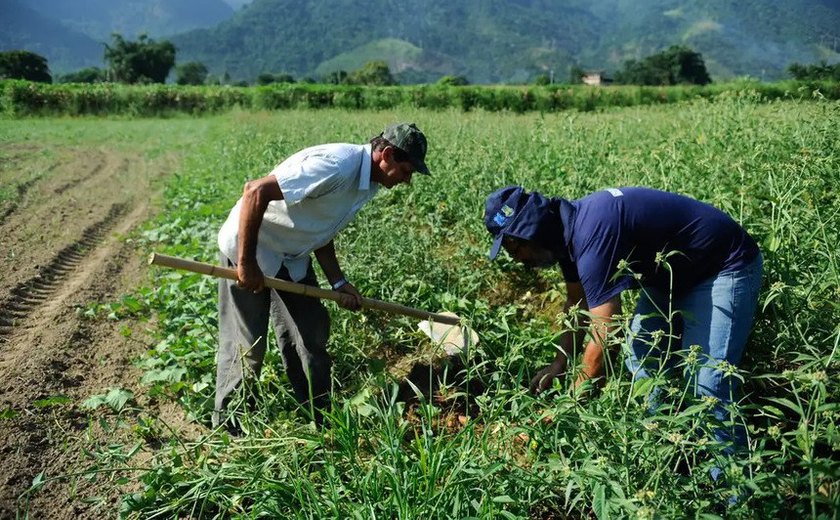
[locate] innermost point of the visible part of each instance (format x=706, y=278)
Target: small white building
x=595, y=79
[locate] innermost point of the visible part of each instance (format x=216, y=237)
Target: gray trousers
x=301, y=325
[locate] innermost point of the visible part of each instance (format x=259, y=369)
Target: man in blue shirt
x=698, y=270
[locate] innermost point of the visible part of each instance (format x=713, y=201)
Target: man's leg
x=654, y=336
x=243, y=323
x=651, y=334
x=302, y=326
x=719, y=316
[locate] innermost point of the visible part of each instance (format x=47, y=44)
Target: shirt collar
x=364, y=177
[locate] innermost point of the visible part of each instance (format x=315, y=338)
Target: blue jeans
x=716, y=315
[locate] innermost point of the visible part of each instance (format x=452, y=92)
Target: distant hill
x=65, y=49
x=99, y=18
x=513, y=40
x=745, y=37
x=488, y=41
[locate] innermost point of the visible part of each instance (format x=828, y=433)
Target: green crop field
x=481, y=446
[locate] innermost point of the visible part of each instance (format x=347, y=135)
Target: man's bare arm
x=602, y=325
x=350, y=298
x=255, y=198
x=568, y=342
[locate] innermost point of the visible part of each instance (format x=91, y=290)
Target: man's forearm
x=601, y=327
x=569, y=344
x=254, y=204
x=249, y=229
x=571, y=341
x=329, y=262
x=592, y=362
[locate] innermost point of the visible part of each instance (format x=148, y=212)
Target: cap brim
x=497, y=244
x=421, y=167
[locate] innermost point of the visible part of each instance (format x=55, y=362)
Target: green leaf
x=599, y=501
x=642, y=386
x=37, y=482
x=166, y=375
x=366, y=410
x=116, y=398
x=8, y=413
x=772, y=410
x=52, y=401
x=787, y=403
x=93, y=402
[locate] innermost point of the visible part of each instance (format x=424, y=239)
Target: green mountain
x=745, y=37
x=21, y=28
x=487, y=40
x=513, y=40
x=99, y=18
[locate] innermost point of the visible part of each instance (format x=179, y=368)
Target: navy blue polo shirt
x=635, y=224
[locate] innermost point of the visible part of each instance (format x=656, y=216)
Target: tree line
x=146, y=61
x=821, y=71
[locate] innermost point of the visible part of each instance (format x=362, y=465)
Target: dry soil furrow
x=65, y=252
x=90, y=175
x=45, y=222
x=21, y=190
x=28, y=295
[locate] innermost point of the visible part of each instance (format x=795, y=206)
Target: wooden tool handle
x=298, y=288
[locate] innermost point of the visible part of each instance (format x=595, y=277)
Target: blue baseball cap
x=511, y=211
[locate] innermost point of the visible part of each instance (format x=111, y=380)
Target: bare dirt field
x=63, y=233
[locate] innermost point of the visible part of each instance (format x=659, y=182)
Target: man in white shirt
x=281, y=218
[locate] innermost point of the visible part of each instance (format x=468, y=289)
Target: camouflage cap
x=408, y=138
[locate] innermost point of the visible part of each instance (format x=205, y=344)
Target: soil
x=65, y=236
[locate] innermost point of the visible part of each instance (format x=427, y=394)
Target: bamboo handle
x=297, y=288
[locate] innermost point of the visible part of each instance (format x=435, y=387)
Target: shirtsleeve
x=313, y=177
x=598, y=267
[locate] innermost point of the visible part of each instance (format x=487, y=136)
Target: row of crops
x=774, y=166
x=20, y=98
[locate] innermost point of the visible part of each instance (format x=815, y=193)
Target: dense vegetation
x=19, y=98
x=141, y=61
x=513, y=41
x=390, y=454
x=493, y=41
x=24, y=65
x=817, y=71
x=674, y=66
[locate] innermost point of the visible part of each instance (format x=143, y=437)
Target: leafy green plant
x=772, y=165
x=115, y=398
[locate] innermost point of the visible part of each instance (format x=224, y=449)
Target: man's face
x=394, y=172
x=529, y=253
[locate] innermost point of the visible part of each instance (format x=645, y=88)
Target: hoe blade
x=453, y=338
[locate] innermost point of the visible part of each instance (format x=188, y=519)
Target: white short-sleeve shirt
x=323, y=189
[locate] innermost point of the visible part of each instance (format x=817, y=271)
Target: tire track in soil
x=21, y=192
x=93, y=173
x=48, y=349
x=67, y=361
x=31, y=293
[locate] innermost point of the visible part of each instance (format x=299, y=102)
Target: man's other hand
x=350, y=297
x=542, y=381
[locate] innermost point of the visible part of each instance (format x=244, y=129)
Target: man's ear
x=388, y=153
